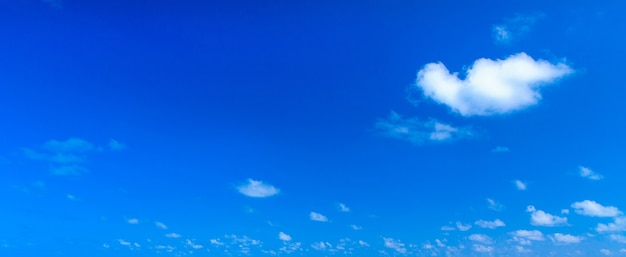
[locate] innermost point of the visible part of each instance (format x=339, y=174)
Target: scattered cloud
x=115, y=145
x=594, y=209
x=514, y=28
x=132, y=221
x=160, y=225
x=284, y=237
x=343, y=208
x=447, y=228
x=175, y=235
x=566, y=238
x=618, y=225
x=541, y=218
x=565, y=211
x=493, y=205
x=500, y=149
x=317, y=217
x=525, y=237
x=481, y=238
x=482, y=248
x=355, y=227
x=618, y=238
x=321, y=246
x=418, y=132
x=520, y=185
x=257, y=189
x=606, y=252
x=589, y=174
x=463, y=227
x=490, y=224
x=395, y=245
x=490, y=86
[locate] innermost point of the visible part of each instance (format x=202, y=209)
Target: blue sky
x=312, y=128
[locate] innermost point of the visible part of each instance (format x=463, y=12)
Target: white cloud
x=565, y=211
x=172, y=235
x=605, y=252
x=618, y=238
x=500, y=149
x=363, y=243
x=447, y=228
x=160, y=225
x=490, y=224
x=194, y=245
x=541, y=218
x=132, y=221
x=418, y=132
x=212, y=241
x=514, y=28
x=481, y=238
x=321, y=246
x=463, y=227
x=520, y=185
x=355, y=227
x=317, y=217
x=590, y=174
x=284, y=237
x=396, y=245
x=115, y=145
x=618, y=225
x=525, y=237
x=490, y=86
x=566, y=238
x=343, y=207
x=594, y=209
x=494, y=205
x=482, y=248
x=257, y=189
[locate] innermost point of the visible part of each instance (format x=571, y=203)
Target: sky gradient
x=312, y=128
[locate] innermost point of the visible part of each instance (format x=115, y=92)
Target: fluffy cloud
x=589, y=174
x=396, y=245
x=566, y=238
x=482, y=248
x=257, y=189
x=520, y=185
x=490, y=224
x=525, y=237
x=417, y=131
x=490, y=86
x=594, y=209
x=541, y=218
x=284, y=237
x=618, y=225
x=481, y=238
x=317, y=217
x=618, y=238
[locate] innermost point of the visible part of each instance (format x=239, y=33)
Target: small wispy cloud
x=500, y=149
x=463, y=227
x=284, y=237
x=589, y=174
x=418, y=132
x=318, y=217
x=172, y=235
x=565, y=238
x=520, y=185
x=490, y=87
x=514, y=28
x=133, y=221
x=115, y=145
x=355, y=227
x=494, y=205
x=343, y=208
x=395, y=245
x=542, y=218
x=490, y=224
x=525, y=237
x=481, y=238
x=160, y=225
x=257, y=189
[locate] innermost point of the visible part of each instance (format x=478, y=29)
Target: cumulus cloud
x=618, y=225
x=490, y=86
x=395, y=245
x=284, y=237
x=317, y=217
x=566, y=238
x=481, y=238
x=594, y=209
x=490, y=224
x=525, y=237
x=589, y=174
x=418, y=131
x=514, y=28
x=520, y=185
x=482, y=248
x=618, y=238
x=257, y=189
x=541, y=218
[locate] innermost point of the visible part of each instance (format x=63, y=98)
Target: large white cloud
x=257, y=189
x=594, y=209
x=490, y=86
